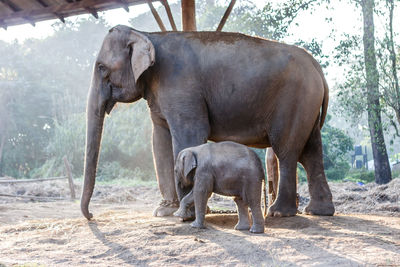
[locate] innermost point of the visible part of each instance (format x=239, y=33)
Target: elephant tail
x=325, y=102
x=264, y=187
x=324, y=107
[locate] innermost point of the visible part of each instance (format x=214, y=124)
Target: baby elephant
x=225, y=168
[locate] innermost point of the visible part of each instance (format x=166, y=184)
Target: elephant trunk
x=95, y=119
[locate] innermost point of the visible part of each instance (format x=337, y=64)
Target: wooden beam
x=60, y=17
x=3, y=24
x=68, y=8
x=11, y=5
x=188, y=15
x=42, y=3
x=156, y=16
x=226, y=15
x=28, y=19
x=124, y=5
x=69, y=175
x=169, y=14
x=92, y=11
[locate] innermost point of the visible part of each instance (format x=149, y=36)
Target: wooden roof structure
x=15, y=12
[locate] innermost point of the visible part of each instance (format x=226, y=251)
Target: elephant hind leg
x=285, y=203
x=311, y=159
x=272, y=174
x=243, y=214
x=256, y=213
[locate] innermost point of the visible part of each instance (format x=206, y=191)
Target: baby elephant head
x=185, y=167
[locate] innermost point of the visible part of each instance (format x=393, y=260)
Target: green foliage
x=43, y=83
x=336, y=145
x=261, y=154
x=301, y=174
x=360, y=175
x=125, y=148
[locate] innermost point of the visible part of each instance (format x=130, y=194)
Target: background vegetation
x=44, y=83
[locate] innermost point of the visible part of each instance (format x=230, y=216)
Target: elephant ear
x=190, y=163
x=143, y=53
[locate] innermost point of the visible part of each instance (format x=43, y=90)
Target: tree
x=361, y=93
x=381, y=161
x=388, y=64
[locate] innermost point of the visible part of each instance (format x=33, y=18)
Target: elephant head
x=125, y=54
x=185, y=166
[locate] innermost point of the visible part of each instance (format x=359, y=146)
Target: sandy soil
x=125, y=233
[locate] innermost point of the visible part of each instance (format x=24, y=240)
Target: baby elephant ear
x=190, y=163
x=143, y=54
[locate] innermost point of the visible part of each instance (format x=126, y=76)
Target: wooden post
x=169, y=13
x=156, y=16
x=188, y=15
x=69, y=175
x=226, y=15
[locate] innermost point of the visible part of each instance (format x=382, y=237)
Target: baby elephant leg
x=243, y=212
x=185, y=205
x=200, y=204
x=257, y=216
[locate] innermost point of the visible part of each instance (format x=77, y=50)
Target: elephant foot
x=185, y=214
x=242, y=226
x=255, y=228
x=189, y=214
x=166, y=208
x=323, y=208
x=196, y=224
x=281, y=210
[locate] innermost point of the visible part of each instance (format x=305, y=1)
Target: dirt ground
x=124, y=232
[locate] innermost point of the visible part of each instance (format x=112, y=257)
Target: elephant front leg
x=184, y=207
x=164, y=165
x=200, y=203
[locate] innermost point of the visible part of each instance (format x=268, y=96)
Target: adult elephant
x=215, y=86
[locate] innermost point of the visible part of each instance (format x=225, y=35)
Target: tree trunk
x=3, y=140
x=382, y=169
x=393, y=57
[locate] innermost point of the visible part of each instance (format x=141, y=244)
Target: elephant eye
x=103, y=70
x=130, y=51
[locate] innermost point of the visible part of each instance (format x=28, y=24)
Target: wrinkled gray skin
x=225, y=168
x=214, y=86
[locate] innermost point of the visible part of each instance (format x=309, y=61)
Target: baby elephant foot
x=281, y=210
x=166, y=208
x=196, y=224
x=324, y=208
x=242, y=226
x=183, y=213
x=255, y=228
